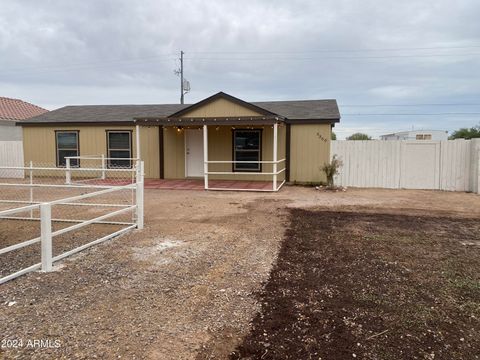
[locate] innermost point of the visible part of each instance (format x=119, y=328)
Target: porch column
x=275, y=146
x=205, y=155
x=137, y=136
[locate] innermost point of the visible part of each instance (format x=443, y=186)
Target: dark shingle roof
x=294, y=110
x=303, y=109
x=16, y=109
x=104, y=113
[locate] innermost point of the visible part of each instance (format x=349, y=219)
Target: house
x=11, y=149
x=11, y=111
x=219, y=138
x=417, y=135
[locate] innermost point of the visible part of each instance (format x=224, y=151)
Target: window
x=247, y=147
x=67, y=145
x=423, y=137
x=119, y=146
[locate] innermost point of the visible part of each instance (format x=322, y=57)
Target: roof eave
x=312, y=121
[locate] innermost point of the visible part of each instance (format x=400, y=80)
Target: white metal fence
x=55, y=212
x=442, y=165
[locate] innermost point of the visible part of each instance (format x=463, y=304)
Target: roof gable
x=221, y=105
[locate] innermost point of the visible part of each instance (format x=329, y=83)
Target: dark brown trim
x=78, y=123
x=222, y=95
x=232, y=120
x=311, y=121
x=161, y=152
x=287, y=152
x=260, y=151
x=56, y=147
x=107, y=145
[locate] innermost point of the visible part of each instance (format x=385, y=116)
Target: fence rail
x=107, y=192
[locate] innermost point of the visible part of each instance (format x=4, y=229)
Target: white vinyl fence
x=442, y=165
x=11, y=154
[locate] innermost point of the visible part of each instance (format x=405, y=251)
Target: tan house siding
x=174, y=153
x=39, y=144
x=150, y=151
x=309, y=150
x=220, y=108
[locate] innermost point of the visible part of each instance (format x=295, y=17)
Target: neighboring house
x=11, y=111
x=417, y=135
x=240, y=136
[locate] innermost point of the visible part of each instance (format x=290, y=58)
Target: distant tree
x=359, y=136
x=466, y=133
x=334, y=136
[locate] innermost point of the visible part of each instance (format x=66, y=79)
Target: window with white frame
x=119, y=148
x=247, y=146
x=67, y=145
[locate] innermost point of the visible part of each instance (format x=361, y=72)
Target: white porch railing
x=274, y=173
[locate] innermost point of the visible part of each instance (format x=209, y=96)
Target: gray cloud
x=69, y=52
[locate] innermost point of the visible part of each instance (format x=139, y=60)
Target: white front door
x=193, y=153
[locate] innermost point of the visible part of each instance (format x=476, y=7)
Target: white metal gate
x=50, y=202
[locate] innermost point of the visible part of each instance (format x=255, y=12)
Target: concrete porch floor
x=198, y=184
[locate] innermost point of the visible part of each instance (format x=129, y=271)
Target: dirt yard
x=190, y=285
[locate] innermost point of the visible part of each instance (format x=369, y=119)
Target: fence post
x=205, y=156
x=139, y=194
x=46, y=235
x=275, y=146
x=31, y=187
x=478, y=172
x=68, y=175
x=103, y=167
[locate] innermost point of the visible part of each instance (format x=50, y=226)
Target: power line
x=338, y=50
x=329, y=57
x=93, y=64
x=406, y=105
x=412, y=114
x=168, y=57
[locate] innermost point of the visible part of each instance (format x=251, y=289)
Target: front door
x=193, y=153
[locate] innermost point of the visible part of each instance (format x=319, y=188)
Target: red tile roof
x=15, y=109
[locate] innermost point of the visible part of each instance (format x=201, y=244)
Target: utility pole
x=184, y=84
x=181, y=78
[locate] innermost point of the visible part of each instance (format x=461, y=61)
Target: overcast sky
x=369, y=52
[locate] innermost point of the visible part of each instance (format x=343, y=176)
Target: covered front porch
x=228, y=143
x=243, y=157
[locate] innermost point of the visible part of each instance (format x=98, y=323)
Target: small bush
x=331, y=169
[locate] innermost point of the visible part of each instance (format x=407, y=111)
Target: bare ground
x=371, y=286
x=184, y=286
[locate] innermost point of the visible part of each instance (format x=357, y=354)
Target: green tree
x=359, y=136
x=334, y=136
x=466, y=133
